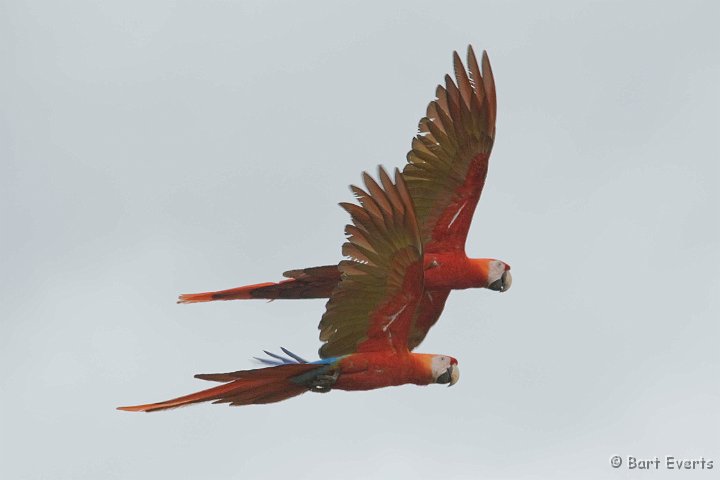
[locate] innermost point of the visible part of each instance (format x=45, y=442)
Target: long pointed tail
x=247, y=387
x=313, y=282
x=240, y=293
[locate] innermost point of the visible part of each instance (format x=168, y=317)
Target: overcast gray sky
x=149, y=149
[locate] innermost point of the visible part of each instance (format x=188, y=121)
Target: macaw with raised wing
x=445, y=175
x=368, y=321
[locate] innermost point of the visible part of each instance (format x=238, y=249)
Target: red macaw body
x=445, y=175
x=359, y=371
x=368, y=325
x=443, y=270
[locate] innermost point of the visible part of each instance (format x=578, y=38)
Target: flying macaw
x=368, y=321
x=445, y=175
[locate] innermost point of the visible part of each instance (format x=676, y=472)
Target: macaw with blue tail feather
x=367, y=325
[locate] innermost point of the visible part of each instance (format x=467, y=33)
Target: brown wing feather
x=373, y=306
x=448, y=162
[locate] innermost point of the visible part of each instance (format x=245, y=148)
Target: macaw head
x=499, y=278
x=445, y=370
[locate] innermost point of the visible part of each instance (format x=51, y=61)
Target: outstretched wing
x=449, y=158
x=373, y=306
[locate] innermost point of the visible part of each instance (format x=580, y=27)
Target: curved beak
x=507, y=280
x=503, y=283
x=449, y=376
x=454, y=373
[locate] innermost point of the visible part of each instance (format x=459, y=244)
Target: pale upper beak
x=503, y=283
x=454, y=375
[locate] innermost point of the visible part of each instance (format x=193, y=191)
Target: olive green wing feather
x=373, y=306
x=448, y=162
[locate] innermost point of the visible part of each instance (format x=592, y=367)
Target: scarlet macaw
x=445, y=175
x=367, y=322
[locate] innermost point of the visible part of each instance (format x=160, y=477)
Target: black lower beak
x=502, y=283
x=497, y=285
x=445, y=377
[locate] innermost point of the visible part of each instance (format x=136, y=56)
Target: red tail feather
x=263, y=385
x=240, y=293
x=313, y=282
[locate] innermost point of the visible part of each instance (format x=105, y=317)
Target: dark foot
x=324, y=383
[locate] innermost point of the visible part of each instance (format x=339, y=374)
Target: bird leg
x=324, y=383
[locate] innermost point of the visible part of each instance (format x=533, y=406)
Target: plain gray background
x=153, y=148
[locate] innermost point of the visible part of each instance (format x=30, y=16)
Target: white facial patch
x=440, y=364
x=497, y=268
